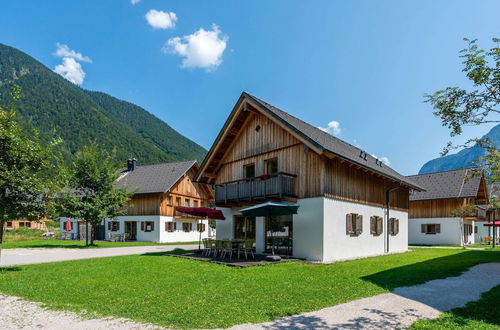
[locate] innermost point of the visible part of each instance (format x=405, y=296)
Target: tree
x=28, y=170
x=466, y=210
x=91, y=194
x=457, y=107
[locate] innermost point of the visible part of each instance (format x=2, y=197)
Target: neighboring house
x=491, y=215
x=433, y=212
x=14, y=224
x=151, y=214
x=265, y=154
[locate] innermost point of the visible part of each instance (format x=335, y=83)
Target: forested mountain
x=463, y=158
x=59, y=109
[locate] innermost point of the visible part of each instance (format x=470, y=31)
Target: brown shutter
x=373, y=225
x=348, y=224
x=359, y=224
x=142, y=225
x=396, y=226
x=175, y=226
x=380, y=225
x=166, y=226
x=438, y=228
x=422, y=228
x=152, y=226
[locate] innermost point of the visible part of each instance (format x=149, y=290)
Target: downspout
x=387, y=203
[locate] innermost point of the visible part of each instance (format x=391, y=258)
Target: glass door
x=279, y=235
x=244, y=227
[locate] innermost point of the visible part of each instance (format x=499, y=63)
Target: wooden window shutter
x=117, y=226
x=359, y=224
x=438, y=228
x=380, y=225
x=175, y=226
x=142, y=225
x=422, y=228
x=373, y=225
x=167, y=226
x=396, y=226
x=152, y=225
x=348, y=224
x=109, y=225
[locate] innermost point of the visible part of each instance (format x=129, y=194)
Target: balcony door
x=244, y=227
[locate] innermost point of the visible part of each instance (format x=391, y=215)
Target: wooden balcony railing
x=186, y=216
x=263, y=187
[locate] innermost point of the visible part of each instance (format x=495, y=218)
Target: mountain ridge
x=59, y=108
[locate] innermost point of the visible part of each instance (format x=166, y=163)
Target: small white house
x=265, y=154
x=151, y=214
x=434, y=219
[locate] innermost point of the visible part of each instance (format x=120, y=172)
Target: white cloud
x=71, y=70
x=202, y=49
x=384, y=160
x=332, y=128
x=135, y=1
x=160, y=19
x=64, y=51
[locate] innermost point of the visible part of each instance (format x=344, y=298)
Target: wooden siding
x=144, y=204
x=271, y=141
x=316, y=175
x=344, y=181
x=436, y=208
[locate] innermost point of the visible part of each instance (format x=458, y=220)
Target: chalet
x=151, y=212
x=439, y=215
x=265, y=154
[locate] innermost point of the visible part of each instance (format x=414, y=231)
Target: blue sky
x=364, y=64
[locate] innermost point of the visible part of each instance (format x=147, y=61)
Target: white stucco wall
x=308, y=229
x=483, y=232
x=450, y=234
x=340, y=246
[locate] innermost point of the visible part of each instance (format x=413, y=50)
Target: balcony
x=277, y=186
x=185, y=216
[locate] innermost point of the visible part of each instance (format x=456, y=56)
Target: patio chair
x=227, y=247
x=246, y=247
x=218, y=248
x=206, y=247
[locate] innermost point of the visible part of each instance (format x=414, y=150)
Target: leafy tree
x=461, y=212
x=91, y=194
x=458, y=107
x=27, y=171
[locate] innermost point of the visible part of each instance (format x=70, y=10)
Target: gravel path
x=398, y=309
x=14, y=257
x=16, y=313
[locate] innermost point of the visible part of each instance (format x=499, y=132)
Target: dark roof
x=158, y=178
x=332, y=144
x=460, y=183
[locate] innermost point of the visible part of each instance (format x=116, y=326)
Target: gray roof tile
x=333, y=144
x=157, y=178
x=448, y=184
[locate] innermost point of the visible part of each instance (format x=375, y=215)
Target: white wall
x=308, y=229
x=159, y=234
x=450, y=232
x=340, y=246
x=224, y=229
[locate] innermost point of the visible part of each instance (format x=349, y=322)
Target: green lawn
x=182, y=293
x=54, y=243
x=481, y=314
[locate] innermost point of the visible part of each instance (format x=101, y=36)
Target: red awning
x=490, y=224
x=203, y=212
x=68, y=226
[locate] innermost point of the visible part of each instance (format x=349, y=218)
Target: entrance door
x=131, y=230
x=279, y=235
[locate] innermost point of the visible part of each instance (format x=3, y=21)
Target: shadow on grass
x=9, y=269
x=176, y=251
x=442, y=267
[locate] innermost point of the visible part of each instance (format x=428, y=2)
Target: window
x=376, y=225
x=475, y=229
x=272, y=166
x=187, y=227
x=21, y=224
x=200, y=227
x=430, y=228
x=393, y=226
x=354, y=224
x=177, y=201
x=169, y=200
x=195, y=203
x=249, y=171
x=170, y=226
x=147, y=226
x=9, y=223
x=114, y=225
x=187, y=202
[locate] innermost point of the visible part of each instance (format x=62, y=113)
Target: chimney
x=131, y=163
